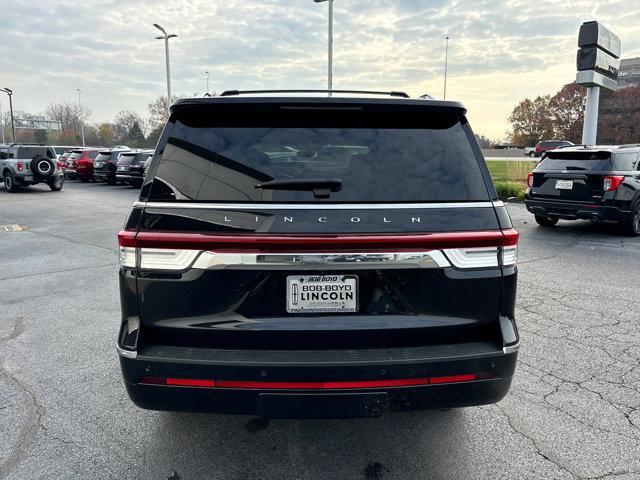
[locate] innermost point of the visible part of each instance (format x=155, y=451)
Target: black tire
x=10, y=183
x=546, y=221
x=42, y=167
x=632, y=226
x=84, y=179
x=56, y=185
x=136, y=183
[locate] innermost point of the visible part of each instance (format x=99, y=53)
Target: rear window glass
x=75, y=155
x=215, y=163
x=30, y=152
x=133, y=157
x=103, y=157
x=593, y=161
x=625, y=161
x=559, y=160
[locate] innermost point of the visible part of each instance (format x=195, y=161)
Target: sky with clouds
x=500, y=52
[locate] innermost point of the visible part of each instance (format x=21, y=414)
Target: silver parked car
x=28, y=164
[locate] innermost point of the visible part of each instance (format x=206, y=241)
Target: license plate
x=322, y=293
x=121, y=169
x=564, y=184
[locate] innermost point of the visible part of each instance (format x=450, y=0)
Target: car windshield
x=372, y=164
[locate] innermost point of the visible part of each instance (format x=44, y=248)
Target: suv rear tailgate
x=411, y=176
x=235, y=291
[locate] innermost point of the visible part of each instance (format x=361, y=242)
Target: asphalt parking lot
x=573, y=410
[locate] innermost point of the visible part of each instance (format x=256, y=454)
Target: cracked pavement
x=573, y=410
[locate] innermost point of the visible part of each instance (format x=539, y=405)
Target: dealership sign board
x=598, y=59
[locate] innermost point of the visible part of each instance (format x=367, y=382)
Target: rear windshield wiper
x=321, y=187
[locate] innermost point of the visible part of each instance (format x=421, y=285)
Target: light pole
x=330, y=46
x=13, y=127
x=165, y=36
x=2, y=124
x=207, y=83
x=81, y=120
x=446, y=64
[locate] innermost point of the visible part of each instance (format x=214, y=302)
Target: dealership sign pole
x=598, y=64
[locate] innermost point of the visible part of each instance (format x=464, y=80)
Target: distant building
x=629, y=74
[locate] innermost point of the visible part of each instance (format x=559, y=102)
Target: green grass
x=509, y=177
x=510, y=171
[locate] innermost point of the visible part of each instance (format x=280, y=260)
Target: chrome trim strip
x=126, y=353
x=511, y=348
x=313, y=206
x=318, y=261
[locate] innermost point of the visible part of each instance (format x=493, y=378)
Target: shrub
x=508, y=190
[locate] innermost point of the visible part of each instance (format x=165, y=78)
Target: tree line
x=561, y=116
x=127, y=128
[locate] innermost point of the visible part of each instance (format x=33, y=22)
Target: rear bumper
x=104, y=175
x=576, y=211
x=31, y=180
x=261, y=380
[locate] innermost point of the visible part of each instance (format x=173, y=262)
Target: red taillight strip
x=321, y=385
x=301, y=243
x=468, y=377
x=332, y=385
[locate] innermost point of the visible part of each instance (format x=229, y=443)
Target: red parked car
x=80, y=164
x=62, y=161
x=546, y=145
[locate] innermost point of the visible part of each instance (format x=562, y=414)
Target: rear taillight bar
x=314, y=243
x=328, y=385
x=178, y=252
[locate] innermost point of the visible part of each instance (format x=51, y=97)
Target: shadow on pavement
x=393, y=445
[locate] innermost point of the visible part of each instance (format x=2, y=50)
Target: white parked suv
x=28, y=164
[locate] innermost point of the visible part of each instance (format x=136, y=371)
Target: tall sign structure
x=598, y=63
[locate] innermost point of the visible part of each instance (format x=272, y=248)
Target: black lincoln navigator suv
x=317, y=256
x=597, y=183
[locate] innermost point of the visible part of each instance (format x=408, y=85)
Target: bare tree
x=70, y=115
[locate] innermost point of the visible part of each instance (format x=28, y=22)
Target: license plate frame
x=329, y=293
x=564, y=184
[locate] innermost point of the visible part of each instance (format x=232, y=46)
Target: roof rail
x=13, y=144
x=229, y=93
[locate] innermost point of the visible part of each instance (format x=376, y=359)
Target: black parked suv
x=104, y=166
x=130, y=167
x=315, y=256
x=597, y=183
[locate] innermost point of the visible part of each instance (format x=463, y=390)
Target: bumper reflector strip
x=337, y=385
x=454, y=378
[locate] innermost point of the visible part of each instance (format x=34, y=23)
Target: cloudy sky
x=501, y=50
